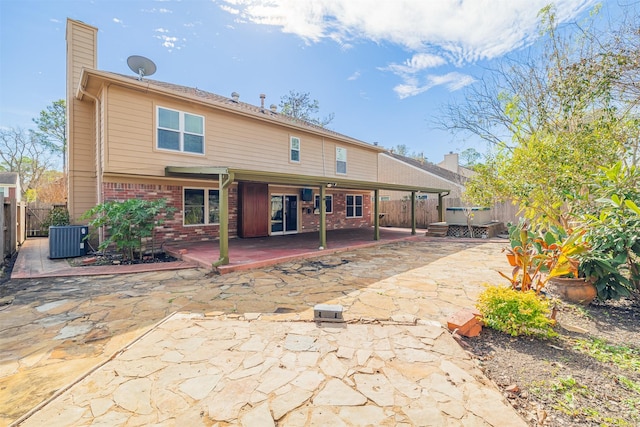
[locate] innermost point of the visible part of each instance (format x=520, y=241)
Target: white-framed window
x=341, y=160
x=328, y=203
x=180, y=131
x=201, y=206
x=294, y=149
x=385, y=198
x=354, y=205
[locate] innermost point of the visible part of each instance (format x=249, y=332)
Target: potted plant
x=560, y=258
x=524, y=256
x=515, y=241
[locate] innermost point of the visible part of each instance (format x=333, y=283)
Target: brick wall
x=174, y=230
x=338, y=219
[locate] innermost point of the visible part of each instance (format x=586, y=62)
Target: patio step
x=437, y=229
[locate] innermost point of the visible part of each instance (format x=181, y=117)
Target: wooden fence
x=37, y=213
x=397, y=213
x=12, y=220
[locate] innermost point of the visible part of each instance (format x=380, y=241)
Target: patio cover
x=226, y=176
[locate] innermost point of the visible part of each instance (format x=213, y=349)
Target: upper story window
x=354, y=205
x=341, y=160
x=294, y=149
x=180, y=131
x=201, y=206
x=328, y=203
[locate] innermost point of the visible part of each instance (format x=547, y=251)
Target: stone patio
x=395, y=296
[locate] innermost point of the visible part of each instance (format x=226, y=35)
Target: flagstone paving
x=244, y=349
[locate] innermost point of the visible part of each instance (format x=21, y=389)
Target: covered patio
x=225, y=177
x=245, y=254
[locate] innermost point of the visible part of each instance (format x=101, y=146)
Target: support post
x=224, y=182
x=323, y=218
x=413, y=213
x=376, y=214
x=441, y=207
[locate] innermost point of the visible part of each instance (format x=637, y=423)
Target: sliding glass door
x=284, y=214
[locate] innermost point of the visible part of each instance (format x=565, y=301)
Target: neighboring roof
x=9, y=179
x=214, y=172
x=213, y=100
x=431, y=168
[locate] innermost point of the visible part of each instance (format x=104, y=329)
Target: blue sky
x=384, y=68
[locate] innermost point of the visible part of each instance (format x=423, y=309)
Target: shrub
x=127, y=223
x=613, y=232
x=515, y=312
x=59, y=215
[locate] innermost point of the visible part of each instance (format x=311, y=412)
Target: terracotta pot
x=577, y=291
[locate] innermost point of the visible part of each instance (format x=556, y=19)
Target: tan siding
x=396, y=172
x=81, y=52
x=230, y=140
x=362, y=164
x=84, y=186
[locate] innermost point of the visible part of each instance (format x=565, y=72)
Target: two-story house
x=229, y=168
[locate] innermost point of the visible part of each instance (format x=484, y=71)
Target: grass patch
x=623, y=356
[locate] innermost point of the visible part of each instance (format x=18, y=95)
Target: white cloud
x=168, y=42
x=354, y=76
x=118, y=21
x=154, y=10
x=452, y=81
x=434, y=32
x=466, y=30
x=231, y=10
x=418, y=62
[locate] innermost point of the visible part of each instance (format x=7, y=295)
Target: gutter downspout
x=223, y=185
x=99, y=153
x=441, y=196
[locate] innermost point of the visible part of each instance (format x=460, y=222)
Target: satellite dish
x=141, y=65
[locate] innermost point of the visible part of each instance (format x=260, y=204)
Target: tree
x=52, y=129
x=52, y=188
x=400, y=149
x=300, y=106
x=403, y=150
x=22, y=152
x=553, y=118
x=470, y=157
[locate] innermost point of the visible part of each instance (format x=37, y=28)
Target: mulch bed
x=557, y=382
x=117, y=259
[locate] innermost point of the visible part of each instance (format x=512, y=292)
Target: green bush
x=612, y=224
x=59, y=215
x=128, y=223
x=515, y=312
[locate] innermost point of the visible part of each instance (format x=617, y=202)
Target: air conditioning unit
x=67, y=241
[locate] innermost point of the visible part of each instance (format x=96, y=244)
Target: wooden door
x=253, y=209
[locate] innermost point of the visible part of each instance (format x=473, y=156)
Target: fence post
x=3, y=228
x=13, y=233
x=22, y=222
